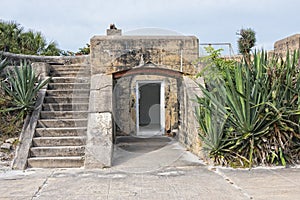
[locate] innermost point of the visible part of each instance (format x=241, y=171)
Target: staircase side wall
x=189, y=128
x=22, y=151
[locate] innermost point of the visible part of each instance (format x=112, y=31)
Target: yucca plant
x=285, y=102
x=3, y=63
x=260, y=110
x=242, y=103
x=22, y=86
x=212, y=123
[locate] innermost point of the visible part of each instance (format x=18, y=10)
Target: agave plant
x=212, y=124
x=260, y=109
x=22, y=86
x=285, y=102
x=3, y=64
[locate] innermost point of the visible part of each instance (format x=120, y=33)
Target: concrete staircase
x=60, y=135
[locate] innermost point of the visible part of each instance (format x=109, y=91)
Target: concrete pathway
x=162, y=169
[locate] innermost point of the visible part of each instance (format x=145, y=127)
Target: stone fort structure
x=140, y=86
x=139, y=82
x=290, y=43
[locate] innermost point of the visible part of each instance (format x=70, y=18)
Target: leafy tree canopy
x=246, y=41
x=14, y=39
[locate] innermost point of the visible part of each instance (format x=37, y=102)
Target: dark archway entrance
x=149, y=107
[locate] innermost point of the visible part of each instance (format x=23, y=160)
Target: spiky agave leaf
x=23, y=86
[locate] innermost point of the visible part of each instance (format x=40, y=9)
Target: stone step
x=63, y=114
x=75, y=92
x=56, y=162
x=69, y=67
x=65, y=106
x=64, y=86
x=69, y=99
x=66, y=68
x=69, y=74
x=70, y=80
x=58, y=141
x=60, y=132
x=56, y=123
x=57, y=151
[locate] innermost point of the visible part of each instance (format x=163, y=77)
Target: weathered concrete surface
x=42, y=69
x=272, y=183
x=189, y=126
x=195, y=183
x=21, y=184
x=115, y=53
x=22, y=151
x=17, y=58
x=185, y=177
x=141, y=155
x=99, y=144
x=290, y=43
x=101, y=93
x=185, y=182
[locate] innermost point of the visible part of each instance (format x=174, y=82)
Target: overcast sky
x=71, y=23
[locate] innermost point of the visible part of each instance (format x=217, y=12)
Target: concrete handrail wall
x=28, y=130
x=16, y=58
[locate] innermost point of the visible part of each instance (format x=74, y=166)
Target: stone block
x=101, y=81
x=101, y=93
x=113, y=32
x=42, y=69
x=99, y=146
x=11, y=140
x=6, y=146
x=100, y=101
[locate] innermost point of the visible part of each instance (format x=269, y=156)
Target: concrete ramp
x=142, y=155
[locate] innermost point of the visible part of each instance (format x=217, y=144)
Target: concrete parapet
x=22, y=151
x=17, y=58
x=114, y=53
x=189, y=127
x=99, y=144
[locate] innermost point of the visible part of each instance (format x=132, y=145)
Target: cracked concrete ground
x=167, y=172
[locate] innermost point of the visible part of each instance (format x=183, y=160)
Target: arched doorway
x=146, y=101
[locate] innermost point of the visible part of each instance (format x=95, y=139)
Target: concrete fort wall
x=189, y=127
x=111, y=54
x=290, y=43
x=113, y=98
